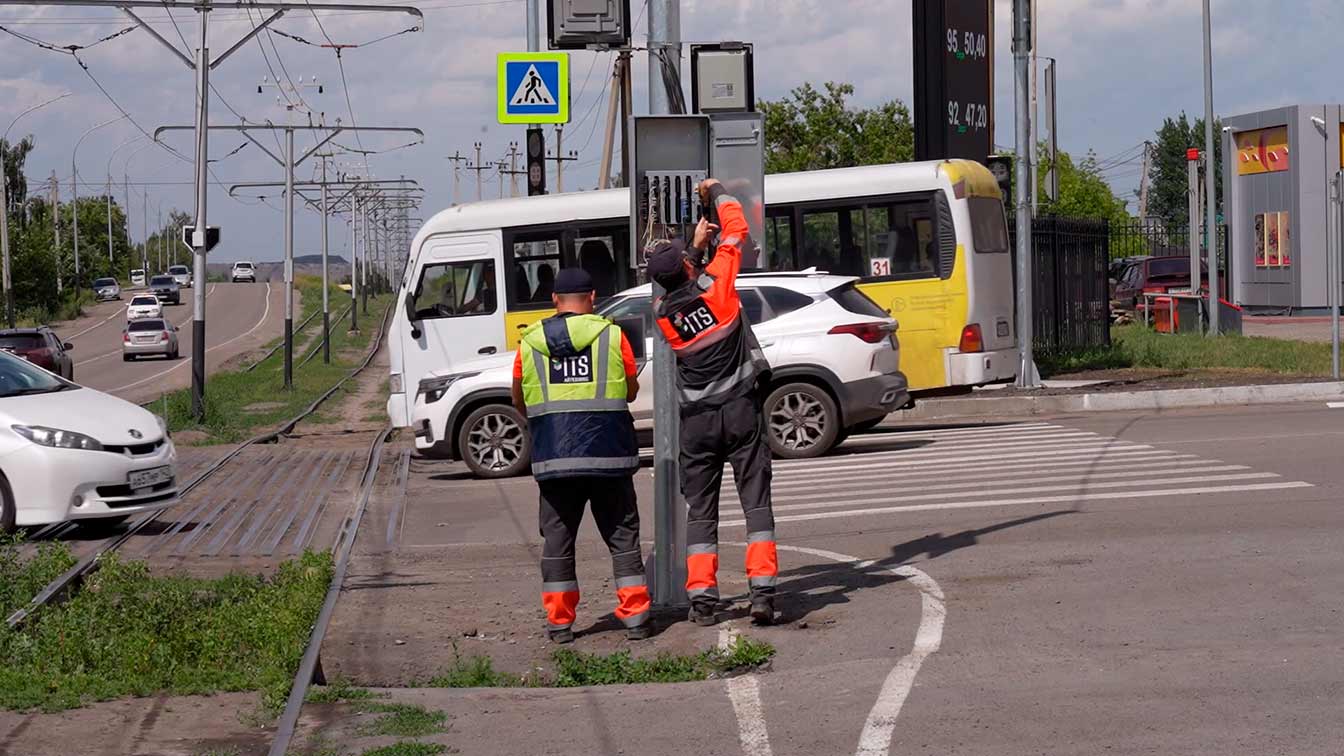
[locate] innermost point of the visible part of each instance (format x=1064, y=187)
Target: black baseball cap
x=665, y=262
x=573, y=281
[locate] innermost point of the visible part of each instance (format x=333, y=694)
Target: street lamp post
x=4, y=213
x=74, y=188
x=115, y=150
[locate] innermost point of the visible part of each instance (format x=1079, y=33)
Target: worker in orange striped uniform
x=720, y=375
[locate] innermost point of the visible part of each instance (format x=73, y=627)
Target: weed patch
x=576, y=668
x=403, y=720
x=408, y=748
x=130, y=633
x=1136, y=346
x=337, y=691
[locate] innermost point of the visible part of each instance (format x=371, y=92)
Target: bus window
x=827, y=243
x=536, y=260
x=596, y=255
x=778, y=252
x=456, y=289
x=989, y=230
x=898, y=240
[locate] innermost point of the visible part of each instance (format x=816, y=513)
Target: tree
x=1168, y=180
x=1083, y=193
x=16, y=186
x=811, y=130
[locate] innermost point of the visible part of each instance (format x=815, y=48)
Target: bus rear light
x=971, y=340
x=868, y=332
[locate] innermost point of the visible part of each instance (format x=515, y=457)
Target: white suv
x=181, y=274
x=243, y=271
x=833, y=355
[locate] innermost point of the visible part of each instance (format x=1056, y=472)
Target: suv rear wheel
x=7, y=511
x=494, y=442
x=803, y=421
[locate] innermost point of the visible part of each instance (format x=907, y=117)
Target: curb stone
x=1157, y=400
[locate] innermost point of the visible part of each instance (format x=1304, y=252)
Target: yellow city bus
x=928, y=240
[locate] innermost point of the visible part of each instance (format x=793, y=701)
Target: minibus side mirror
x=411, y=316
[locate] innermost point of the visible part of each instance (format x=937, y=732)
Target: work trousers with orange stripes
x=732, y=433
x=616, y=513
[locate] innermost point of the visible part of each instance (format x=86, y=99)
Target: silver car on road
x=149, y=336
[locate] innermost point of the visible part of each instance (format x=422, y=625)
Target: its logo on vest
x=576, y=368
x=693, y=319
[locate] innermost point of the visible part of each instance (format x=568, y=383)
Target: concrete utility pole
x=354, y=264
x=560, y=159
x=1143, y=186
x=1051, y=125
x=326, y=304
x=109, y=221
x=1210, y=203
x=479, y=168
x=456, y=158
x=669, y=514
x=613, y=108
x=56, y=227
x=1026, y=364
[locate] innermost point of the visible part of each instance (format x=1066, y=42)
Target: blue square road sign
x=533, y=87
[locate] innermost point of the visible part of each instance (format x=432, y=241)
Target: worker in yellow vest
x=574, y=377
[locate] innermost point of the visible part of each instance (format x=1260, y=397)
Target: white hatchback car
x=243, y=271
x=144, y=306
x=833, y=355
x=72, y=453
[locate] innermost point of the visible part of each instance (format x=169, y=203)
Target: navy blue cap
x=573, y=281
x=665, y=262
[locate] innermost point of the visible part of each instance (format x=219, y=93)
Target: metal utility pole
x=560, y=159
x=288, y=162
x=109, y=221
x=456, y=158
x=144, y=246
x=1210, y=203
x=1143, y=186
x=354, y=264
x=1333, y=243
x=198, y=275
x=326, y=304
x=1035, y=119
x=1051, y=125
x=1192, y=195
x=669, y=514
x=1026, y=364
x=56, y=227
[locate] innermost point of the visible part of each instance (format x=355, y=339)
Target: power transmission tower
x=560, y=159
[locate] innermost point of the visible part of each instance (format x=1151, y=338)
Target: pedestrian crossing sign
x=533, y=87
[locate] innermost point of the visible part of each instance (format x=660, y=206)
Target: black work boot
x=562, y=636
x=639, y=632
x=763, y=610
x=703, y=614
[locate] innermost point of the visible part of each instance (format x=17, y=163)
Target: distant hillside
x=337, y=268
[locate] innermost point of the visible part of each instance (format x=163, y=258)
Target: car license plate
x=150, y=477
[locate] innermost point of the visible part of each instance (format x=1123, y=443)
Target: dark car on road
x=41, y=347
x=1153, y=274
x=166, y=289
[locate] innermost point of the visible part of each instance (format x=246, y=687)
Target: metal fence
x=1160, y=239
x=1070, y=291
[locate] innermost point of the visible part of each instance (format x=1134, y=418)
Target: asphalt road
x=239, y=317
x=1118, y=583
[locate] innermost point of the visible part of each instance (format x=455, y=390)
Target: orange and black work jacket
x=718, y=357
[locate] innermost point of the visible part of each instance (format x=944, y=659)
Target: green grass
x=408, y=748
x=403, y=720
x=576, y=668
x=1139, y=347
x=227, y=393
x=130, y=633
x=338, y=690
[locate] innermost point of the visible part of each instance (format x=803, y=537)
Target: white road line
x=1335, y=405
x=183, y=363
x=817, y=502
x=1082, y=477
x=1002, y=434
x=908, y=459
x=95, y=326
x=745, y=694
x=975, y=431
x=936, y=446
x=1148, y=460
x=875, y=740
x=105, y=355
x=924, y=444
x=978, y=503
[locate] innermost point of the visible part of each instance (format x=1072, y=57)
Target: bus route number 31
x=879, y=266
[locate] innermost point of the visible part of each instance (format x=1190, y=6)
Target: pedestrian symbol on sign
x=532, y=90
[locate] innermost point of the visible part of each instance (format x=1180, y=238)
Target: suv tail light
x=126, y=336
x=163, y=336
x=971, y=339
x=868, y=332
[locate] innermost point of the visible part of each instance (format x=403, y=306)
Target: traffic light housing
x=1002, y=168
x=536, y=162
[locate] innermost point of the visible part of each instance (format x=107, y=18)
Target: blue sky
x=1123, y=66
